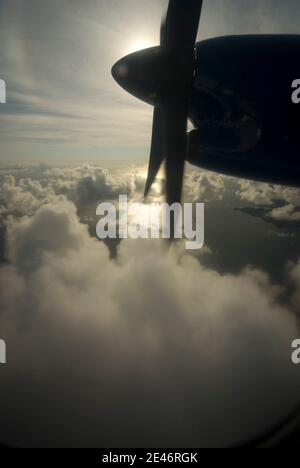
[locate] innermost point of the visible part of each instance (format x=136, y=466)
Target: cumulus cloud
x=204, y=186
x=150, y=349
x=266, y=194
x=23, y=192
x=274, y=203
x=101, y=186
x=21, y=198
x=294, y=276
x=28, y=188
x=53, y=228
x=285, y=213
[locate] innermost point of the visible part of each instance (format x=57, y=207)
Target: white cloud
x=31, y=187
x=294, y=275
x=285, y=213
x=150, y=349
x=262, y=194
x=204, y=186
x=23, y=197
x=279, y=203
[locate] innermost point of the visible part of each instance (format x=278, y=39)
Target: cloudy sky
x=56, y=58
x=131, y=345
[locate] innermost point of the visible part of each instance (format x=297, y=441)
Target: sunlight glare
x=139, y=44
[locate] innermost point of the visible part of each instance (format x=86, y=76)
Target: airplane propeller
x=169, y=142
x=163, y=76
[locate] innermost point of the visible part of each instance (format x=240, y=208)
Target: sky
x=56, y=57
x=131, y=344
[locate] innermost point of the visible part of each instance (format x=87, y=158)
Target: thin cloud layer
x=56, y=59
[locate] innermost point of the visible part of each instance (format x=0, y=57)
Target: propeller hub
x=153, y=74
x=139, y=74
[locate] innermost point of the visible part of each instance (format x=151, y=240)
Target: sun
x=139, y=44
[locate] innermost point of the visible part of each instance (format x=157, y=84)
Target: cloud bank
x=151, y=349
